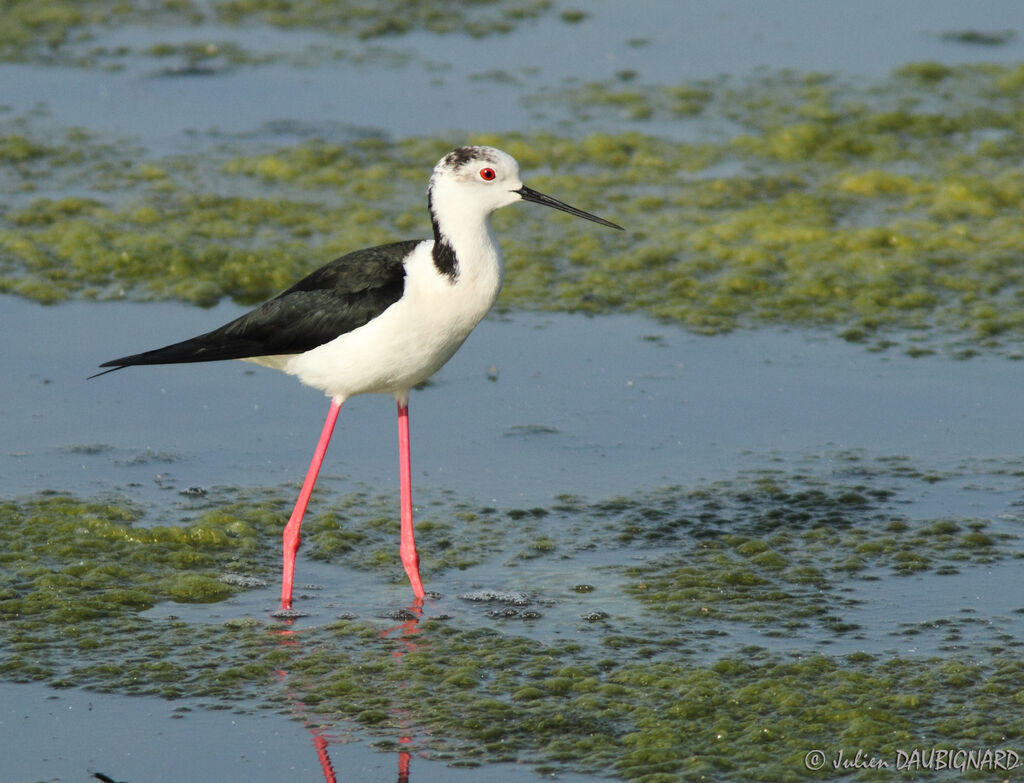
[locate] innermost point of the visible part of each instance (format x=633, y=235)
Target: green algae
x=86, y=560
x=786, y=580
x=359, y=532
x=365, y=19
x=749, y=717
x=887, y=213
x=64, y=31
x=658, y=684
x=980, y=37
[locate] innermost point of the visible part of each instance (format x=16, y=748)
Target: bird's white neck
x=465, y=249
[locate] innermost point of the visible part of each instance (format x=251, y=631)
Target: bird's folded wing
x=335, y=299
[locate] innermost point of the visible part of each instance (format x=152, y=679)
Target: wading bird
x=380, y=320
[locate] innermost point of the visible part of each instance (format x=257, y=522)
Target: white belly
x=405, y=344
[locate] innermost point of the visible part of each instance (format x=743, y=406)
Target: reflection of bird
x=382, y=319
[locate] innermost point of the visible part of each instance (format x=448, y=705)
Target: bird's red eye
x=487, y=174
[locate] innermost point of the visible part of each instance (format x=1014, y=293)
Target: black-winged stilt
x=381, y=319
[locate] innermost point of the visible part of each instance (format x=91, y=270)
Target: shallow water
x=441, y=91
x=70, y=735
x=531, y=407
x=594, y=406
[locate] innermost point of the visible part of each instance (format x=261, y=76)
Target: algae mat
x=886, y=212
x=679, y=634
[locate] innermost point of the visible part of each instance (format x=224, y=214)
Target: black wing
x=337, y=298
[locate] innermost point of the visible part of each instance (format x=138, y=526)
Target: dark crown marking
x=462, y=155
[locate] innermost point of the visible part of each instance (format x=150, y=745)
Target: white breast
x=413, y=338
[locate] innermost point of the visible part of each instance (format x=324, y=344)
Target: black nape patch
x=445, y=260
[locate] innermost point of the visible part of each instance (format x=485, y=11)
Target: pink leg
x=407, y=549
x=291, y=530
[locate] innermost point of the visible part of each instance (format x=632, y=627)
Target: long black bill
x=529, y=194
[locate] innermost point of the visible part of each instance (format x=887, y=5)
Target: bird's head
x=479, y=180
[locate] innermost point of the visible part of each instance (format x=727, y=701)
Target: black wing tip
x=114, y=367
